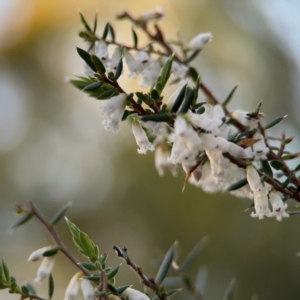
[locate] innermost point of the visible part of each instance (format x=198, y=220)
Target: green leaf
x=112, y=289
x=6, y=271
x=95, y=24
x=52, y=251
x=3, y=286
x=193, y=73
x=277, y=165
x=165, y=266
x=266, y=168
x=113, y=272
x=157, y=118
x=93, y=86
x=168, y=294
x=193, y=56
x=108, y=94
x=105, y=31
x=200, y=282
x=297, y=168
x=179, y=100
x=165, y=74
x=193, y=255
x=60, y=214
x=122, y=289
x=112, y=32
x=84, y=22
x=87, y=245
x=87, y=58
x=24, y=219
x=274, y=122
x=51, y=286
x=98, y=64
x=89, y=266
x=196, y=90
x=119, y=69
x=201, y=110
x=187, y=103
x=25, y=290
x=135, y=38
x=229, y=97
x=287, y=181
x=93, y=278
x=155, y=95
x=31, y=289
x=229, y=293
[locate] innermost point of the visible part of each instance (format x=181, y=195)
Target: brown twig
x=147, y=281
x=56, y=238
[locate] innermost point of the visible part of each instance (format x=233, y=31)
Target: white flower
x=73, y=287
x=155, y=128
x=150, y=74
x=199, y=41
x=243, y=118
x=141, y=138
x=162, y=152
x=115, y=59
x=138, y=64
x=87, y=289
x=153, y=15
x=278, y=206
x=179, y=70
x=45, y=268
x=261, y=205
x=114, y=110
x=101, y=52
x=38, y=254
x=133, y=294
x=253, y=179
x=260, y=149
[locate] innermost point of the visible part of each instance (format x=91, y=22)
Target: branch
x=56, y=238
x=147, y=281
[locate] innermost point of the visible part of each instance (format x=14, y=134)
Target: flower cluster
x=212, y=145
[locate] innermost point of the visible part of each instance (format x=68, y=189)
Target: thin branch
x=147, y=281
x=56, y=238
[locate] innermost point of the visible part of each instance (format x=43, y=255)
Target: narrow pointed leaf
x=297, y=168
x=179, y=100
x=229, y=293
x=112, y=32
x=51, y=286
x=135, y=38
x=6, y=271
x=168, y=293
x=165, y=266
x=93, y=278
x=87, y=244
x=187, y=103
x=275, y=122
x=52, y=251
x=165, y=74
x=25, y=290
x=98, y=64
x=61, y=213
x=122, y=289
x=113, y=272
x=277, y=165
x=89, y=266
x=30, y=288
x=112, y=289
x=24, y=219
x=287, y=181
x=229, y=97
x=93, y=86
x=193, y=256
x=193, y=73
x=119, y=69
x=87, y=58
x=157, y=118
x=266, y=168
x=200, y=282
x=95, y=24
x=84, y=22
x=105, y=31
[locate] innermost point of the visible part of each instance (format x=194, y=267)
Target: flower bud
x=44, y=269
x=38, y=254
x=73, y=287
x=141, y=138
x=133, y=294
x=199, y=41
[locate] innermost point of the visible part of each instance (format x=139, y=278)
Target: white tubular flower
x=161, y=160
x=73, y=287
x=45, y=268
x=114, y=110
x=260, y=149
x=38, y=254
x=133, y=294
x=155, y=128
x=153, y=15
x=101, y=52
x=254, y=180
x=243, y=118
x=261, y=205
x=87, y=289
x=199, y=41
x=141, y=138
x=114, y=61
x=204, y=121
x=150, y=74
x=143, y=60
x=278, y=206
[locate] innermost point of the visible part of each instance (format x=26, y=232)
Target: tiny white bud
x=199, y=41
x=153, y=15
x=38, y=254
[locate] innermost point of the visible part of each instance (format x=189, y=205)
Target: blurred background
x=53, y=148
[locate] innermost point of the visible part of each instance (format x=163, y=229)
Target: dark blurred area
x=53, y=148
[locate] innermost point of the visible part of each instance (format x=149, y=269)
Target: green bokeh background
x=53, y=148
